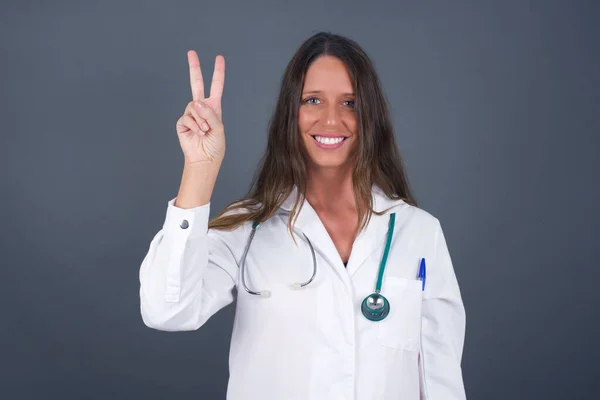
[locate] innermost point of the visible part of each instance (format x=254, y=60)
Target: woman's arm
x=188, y=273
x=442, y=328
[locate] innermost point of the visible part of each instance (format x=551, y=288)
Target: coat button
x=184, y=224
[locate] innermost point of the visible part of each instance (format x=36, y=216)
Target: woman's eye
x=314, y=100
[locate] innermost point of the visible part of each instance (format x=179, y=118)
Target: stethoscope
x=374, y=307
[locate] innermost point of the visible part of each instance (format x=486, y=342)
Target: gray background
x=496, y=110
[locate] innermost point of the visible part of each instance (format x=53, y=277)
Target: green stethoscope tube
x=376, y=307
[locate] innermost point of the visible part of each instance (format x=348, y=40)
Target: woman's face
x=326, y=113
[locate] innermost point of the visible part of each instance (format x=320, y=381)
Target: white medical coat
x=314, y=342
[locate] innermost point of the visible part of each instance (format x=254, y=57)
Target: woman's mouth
x=329, y=143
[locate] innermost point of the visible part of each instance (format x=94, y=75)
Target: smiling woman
x=330, y=217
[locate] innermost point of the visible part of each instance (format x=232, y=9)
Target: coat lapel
x=373, y=237
x=370, y=239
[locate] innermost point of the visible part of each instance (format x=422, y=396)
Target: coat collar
x=370, y=239
x=380, y=200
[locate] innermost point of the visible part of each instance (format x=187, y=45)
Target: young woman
x=344, y=288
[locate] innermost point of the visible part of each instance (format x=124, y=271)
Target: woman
x=330, y=219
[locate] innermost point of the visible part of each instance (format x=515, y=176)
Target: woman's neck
x=330, y=191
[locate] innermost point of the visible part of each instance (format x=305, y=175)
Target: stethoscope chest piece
x=375, y=307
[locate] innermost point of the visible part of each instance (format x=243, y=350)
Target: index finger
x=218, y=80
x=196, y=80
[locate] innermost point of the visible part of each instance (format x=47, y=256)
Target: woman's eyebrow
x=319, y=92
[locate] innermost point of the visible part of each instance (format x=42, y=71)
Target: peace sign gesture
x=200, y=128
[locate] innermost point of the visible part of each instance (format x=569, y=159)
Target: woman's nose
x=331, y=115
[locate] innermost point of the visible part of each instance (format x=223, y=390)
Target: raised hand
x=200, y=128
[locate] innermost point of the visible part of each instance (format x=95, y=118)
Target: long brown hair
x=283, y=166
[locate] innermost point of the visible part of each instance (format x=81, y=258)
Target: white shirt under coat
x=314, y=342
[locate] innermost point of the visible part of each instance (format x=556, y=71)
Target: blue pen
x=422, y=273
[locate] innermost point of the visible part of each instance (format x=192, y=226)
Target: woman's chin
x=328, y=162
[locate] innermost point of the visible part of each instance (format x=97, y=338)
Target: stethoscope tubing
x=266, y=293
x=374, y=307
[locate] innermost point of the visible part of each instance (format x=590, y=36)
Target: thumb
x=206, y=112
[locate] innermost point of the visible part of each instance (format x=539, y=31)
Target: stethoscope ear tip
x=265, y=293
x=297, y=286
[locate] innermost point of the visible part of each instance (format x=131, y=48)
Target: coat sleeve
x=188, y=273
x=442, y=328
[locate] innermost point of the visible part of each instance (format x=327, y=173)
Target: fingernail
x=204, y=126
x=199, y=105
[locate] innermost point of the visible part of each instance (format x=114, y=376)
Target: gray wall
x=496, y=110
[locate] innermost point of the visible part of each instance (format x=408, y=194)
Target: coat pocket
x=401, y=329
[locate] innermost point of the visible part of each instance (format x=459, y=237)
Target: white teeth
x=327, y=140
